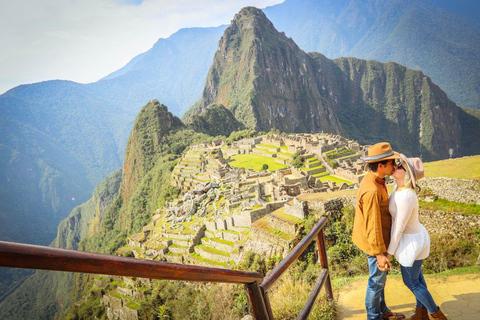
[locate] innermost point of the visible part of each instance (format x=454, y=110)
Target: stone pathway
x=458, y=296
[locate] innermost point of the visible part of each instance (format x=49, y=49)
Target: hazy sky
x=84, y=40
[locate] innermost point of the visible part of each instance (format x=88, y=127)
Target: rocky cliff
x=268, y=82
x=210, y=119
x=265, y=79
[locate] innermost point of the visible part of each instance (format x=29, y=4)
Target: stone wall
x=298, y=209
x=284, y=226
x=458, y=190
x=264, y=249
x=455, y=224
x=333, y=206
x=116, y=309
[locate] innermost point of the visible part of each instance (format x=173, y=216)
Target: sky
x=85, y=40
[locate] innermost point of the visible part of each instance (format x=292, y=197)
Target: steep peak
x=153, y=123
x=251, y=18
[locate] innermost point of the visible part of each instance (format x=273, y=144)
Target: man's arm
x=373, y=227
x=373, y=221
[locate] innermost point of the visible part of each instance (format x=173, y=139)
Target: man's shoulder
x=368, y=184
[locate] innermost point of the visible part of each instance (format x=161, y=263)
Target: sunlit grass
x=255, y=162
x=460, y=168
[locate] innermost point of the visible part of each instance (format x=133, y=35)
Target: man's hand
x=383, y=262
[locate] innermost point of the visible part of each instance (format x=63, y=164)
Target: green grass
x=178, y=246
x=334, y=179
x=460, y=168
x=198, y=257
x=228, y=243
x=280, y=214
x=214, y=251
x=132, y=305
x=262, y=224
x=450, y=206
x=254, y=162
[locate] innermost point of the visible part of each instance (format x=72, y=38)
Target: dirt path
x=458, y=296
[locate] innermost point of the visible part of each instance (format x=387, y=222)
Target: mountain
x=439, y=37
x=267, y=82
x=173, y=71
x=45, y=292
x=209, y=119
x=264, y=79
x=120, y=205
x=58, y=139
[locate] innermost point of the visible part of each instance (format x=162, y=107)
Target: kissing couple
x=388, y=226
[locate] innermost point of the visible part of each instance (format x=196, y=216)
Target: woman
x=410, y=242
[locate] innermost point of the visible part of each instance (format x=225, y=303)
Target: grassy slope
x=254, y=162
x=460, y=168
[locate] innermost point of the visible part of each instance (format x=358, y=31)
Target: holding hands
x=383, y=262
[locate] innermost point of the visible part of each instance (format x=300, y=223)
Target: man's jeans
x=413, y=279
x=375, y=297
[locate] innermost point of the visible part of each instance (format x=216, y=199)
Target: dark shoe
x=438, y=315
x=420, y=314
x=393, y=315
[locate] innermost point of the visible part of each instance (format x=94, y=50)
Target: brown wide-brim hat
x=380, y=152
x=415, y=168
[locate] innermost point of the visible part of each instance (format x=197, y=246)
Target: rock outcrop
x=267, y=82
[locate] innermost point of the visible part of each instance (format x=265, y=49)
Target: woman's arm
x=405, y=203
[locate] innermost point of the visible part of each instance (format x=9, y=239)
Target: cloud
x=86, y=40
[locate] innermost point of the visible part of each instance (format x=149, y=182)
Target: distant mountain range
x=59, y=139
x=268, y=82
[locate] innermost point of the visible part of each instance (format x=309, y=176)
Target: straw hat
x=379, y=152
x=415, y=168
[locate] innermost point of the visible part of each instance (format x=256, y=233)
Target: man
x=371, y=227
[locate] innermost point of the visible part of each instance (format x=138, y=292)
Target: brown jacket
x=372, y=224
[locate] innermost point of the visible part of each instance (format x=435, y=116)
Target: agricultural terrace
x=459, y=168
x=255, y=162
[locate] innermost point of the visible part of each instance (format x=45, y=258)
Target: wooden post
x=322, y=253
x=267, y=304
x=257, y=304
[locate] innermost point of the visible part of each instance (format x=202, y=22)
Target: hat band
x=379, y=156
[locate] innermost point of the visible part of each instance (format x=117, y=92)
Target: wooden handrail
x=17, y=255
x=277, y=272
x=313, y=295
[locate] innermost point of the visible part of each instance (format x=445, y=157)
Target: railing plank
x=292, y=256
x=257, y=301
x=322, y=254
x=313, y=295
x=18, y=255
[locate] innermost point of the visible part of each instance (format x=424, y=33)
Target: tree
x=265, y=166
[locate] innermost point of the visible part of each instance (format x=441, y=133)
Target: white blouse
x=409, y=239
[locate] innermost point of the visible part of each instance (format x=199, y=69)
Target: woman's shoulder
x=407, y=193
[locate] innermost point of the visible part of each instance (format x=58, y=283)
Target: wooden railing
x=16, y=255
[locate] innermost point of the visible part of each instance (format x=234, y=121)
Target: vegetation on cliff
x=215, y=120
x=267, y=82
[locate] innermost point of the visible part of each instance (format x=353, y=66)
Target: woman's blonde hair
x=408, y=178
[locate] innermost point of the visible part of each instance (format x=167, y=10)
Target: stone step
x=230, y=235
x=175, y=248
x=219, y=244
x=181, y=242
x=196, y=259
x=316, y=170
x=280, y=221
x=174, y=257
x=210, y=253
